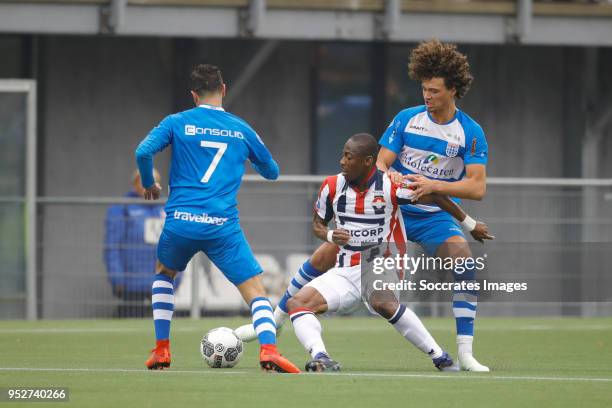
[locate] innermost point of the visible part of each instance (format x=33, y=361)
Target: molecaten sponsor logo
x=426, y=166
x=199, y=218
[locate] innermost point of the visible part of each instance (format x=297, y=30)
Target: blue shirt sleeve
x=392, y=139
x=113, y=240
x=155, y=142
x=260, y=156
x=476, y=148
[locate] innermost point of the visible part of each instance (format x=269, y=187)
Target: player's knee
x=164, y=270
x=302, y=300
x=454, y=247
x=384, y=303
x=385, y=309
x=458, y=249
x=296, y=302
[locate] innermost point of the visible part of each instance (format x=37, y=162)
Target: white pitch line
x=116, y=370
x=480, y=328
x=357, y=374
x=70, y=330
x=472, y=376
x=51, y=330
x=97, y=330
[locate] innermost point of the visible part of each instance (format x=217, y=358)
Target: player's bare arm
x=384, y=161
x=480, y=230
x=472, y=187
x=321, y=231
x=324, y=257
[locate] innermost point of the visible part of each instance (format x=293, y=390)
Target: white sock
x=307, y=329
x=464, y=344
x=408, y=324
x=280, y=317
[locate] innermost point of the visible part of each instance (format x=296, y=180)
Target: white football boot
x=467, y=362
x=247, y=332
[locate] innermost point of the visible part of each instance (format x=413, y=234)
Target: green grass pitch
x=536, y=362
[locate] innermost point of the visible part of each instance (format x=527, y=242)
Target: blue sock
x=464, y=304
x=263, y=320
x=163, y=305
x=305, y=274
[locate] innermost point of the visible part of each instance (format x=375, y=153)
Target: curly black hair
x=434, y=59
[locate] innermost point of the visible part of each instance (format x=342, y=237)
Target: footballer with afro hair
x=434, y=59
x=440, y=149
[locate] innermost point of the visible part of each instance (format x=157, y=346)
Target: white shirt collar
x=219, y=108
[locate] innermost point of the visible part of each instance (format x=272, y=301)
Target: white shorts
x=340, y=287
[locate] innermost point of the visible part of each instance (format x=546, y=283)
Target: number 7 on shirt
x=221, y=148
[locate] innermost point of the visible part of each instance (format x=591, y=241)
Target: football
x=220, y=348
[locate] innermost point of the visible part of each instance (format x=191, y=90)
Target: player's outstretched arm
x=478, y=230
x=319, y=227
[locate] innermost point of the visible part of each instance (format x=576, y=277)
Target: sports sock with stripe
x=263, y=320
x=163, y=305
x=464, y=310
x=305, y=274
x=307, y=329
x=408, y=324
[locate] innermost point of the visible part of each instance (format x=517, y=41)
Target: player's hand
x=395, y=177
x=481, y=232
x=421, y=185
x=341, y=237
x=153, y=192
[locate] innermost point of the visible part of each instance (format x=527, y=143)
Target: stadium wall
x=98, y=96
x=530, y=100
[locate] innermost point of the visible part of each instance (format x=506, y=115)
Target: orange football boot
x=160, y=356
x=271, y=360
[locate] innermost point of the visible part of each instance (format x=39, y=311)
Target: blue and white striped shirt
x=437, y=151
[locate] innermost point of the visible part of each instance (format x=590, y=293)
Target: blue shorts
x=230, y=253
x=430, y=229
